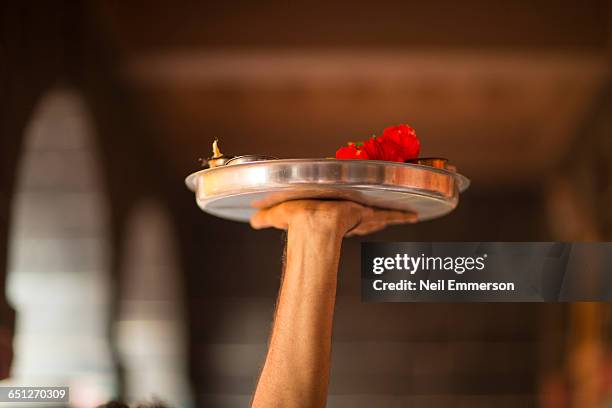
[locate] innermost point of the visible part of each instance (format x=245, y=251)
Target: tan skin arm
x=296, y=370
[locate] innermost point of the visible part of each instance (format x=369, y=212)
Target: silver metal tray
x=236, y=192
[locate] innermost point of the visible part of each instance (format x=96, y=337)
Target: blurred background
x=123, y=288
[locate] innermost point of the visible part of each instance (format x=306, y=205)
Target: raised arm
x=296, y=370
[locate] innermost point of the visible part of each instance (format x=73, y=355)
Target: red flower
x=406, y=140
x=351, y=151
x=397, y=143
x=372, y=148
x=391, y=151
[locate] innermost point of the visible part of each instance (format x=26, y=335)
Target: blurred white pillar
x=59, y=253
x=151, y=326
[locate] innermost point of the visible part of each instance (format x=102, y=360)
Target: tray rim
x=462, y=181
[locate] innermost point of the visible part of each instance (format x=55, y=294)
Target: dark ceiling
x=501, y=88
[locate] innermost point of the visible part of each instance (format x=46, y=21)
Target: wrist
x=315, y=242
x=317, y=252
x=331, y=226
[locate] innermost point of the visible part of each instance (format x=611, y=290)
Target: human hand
x=345, y=218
